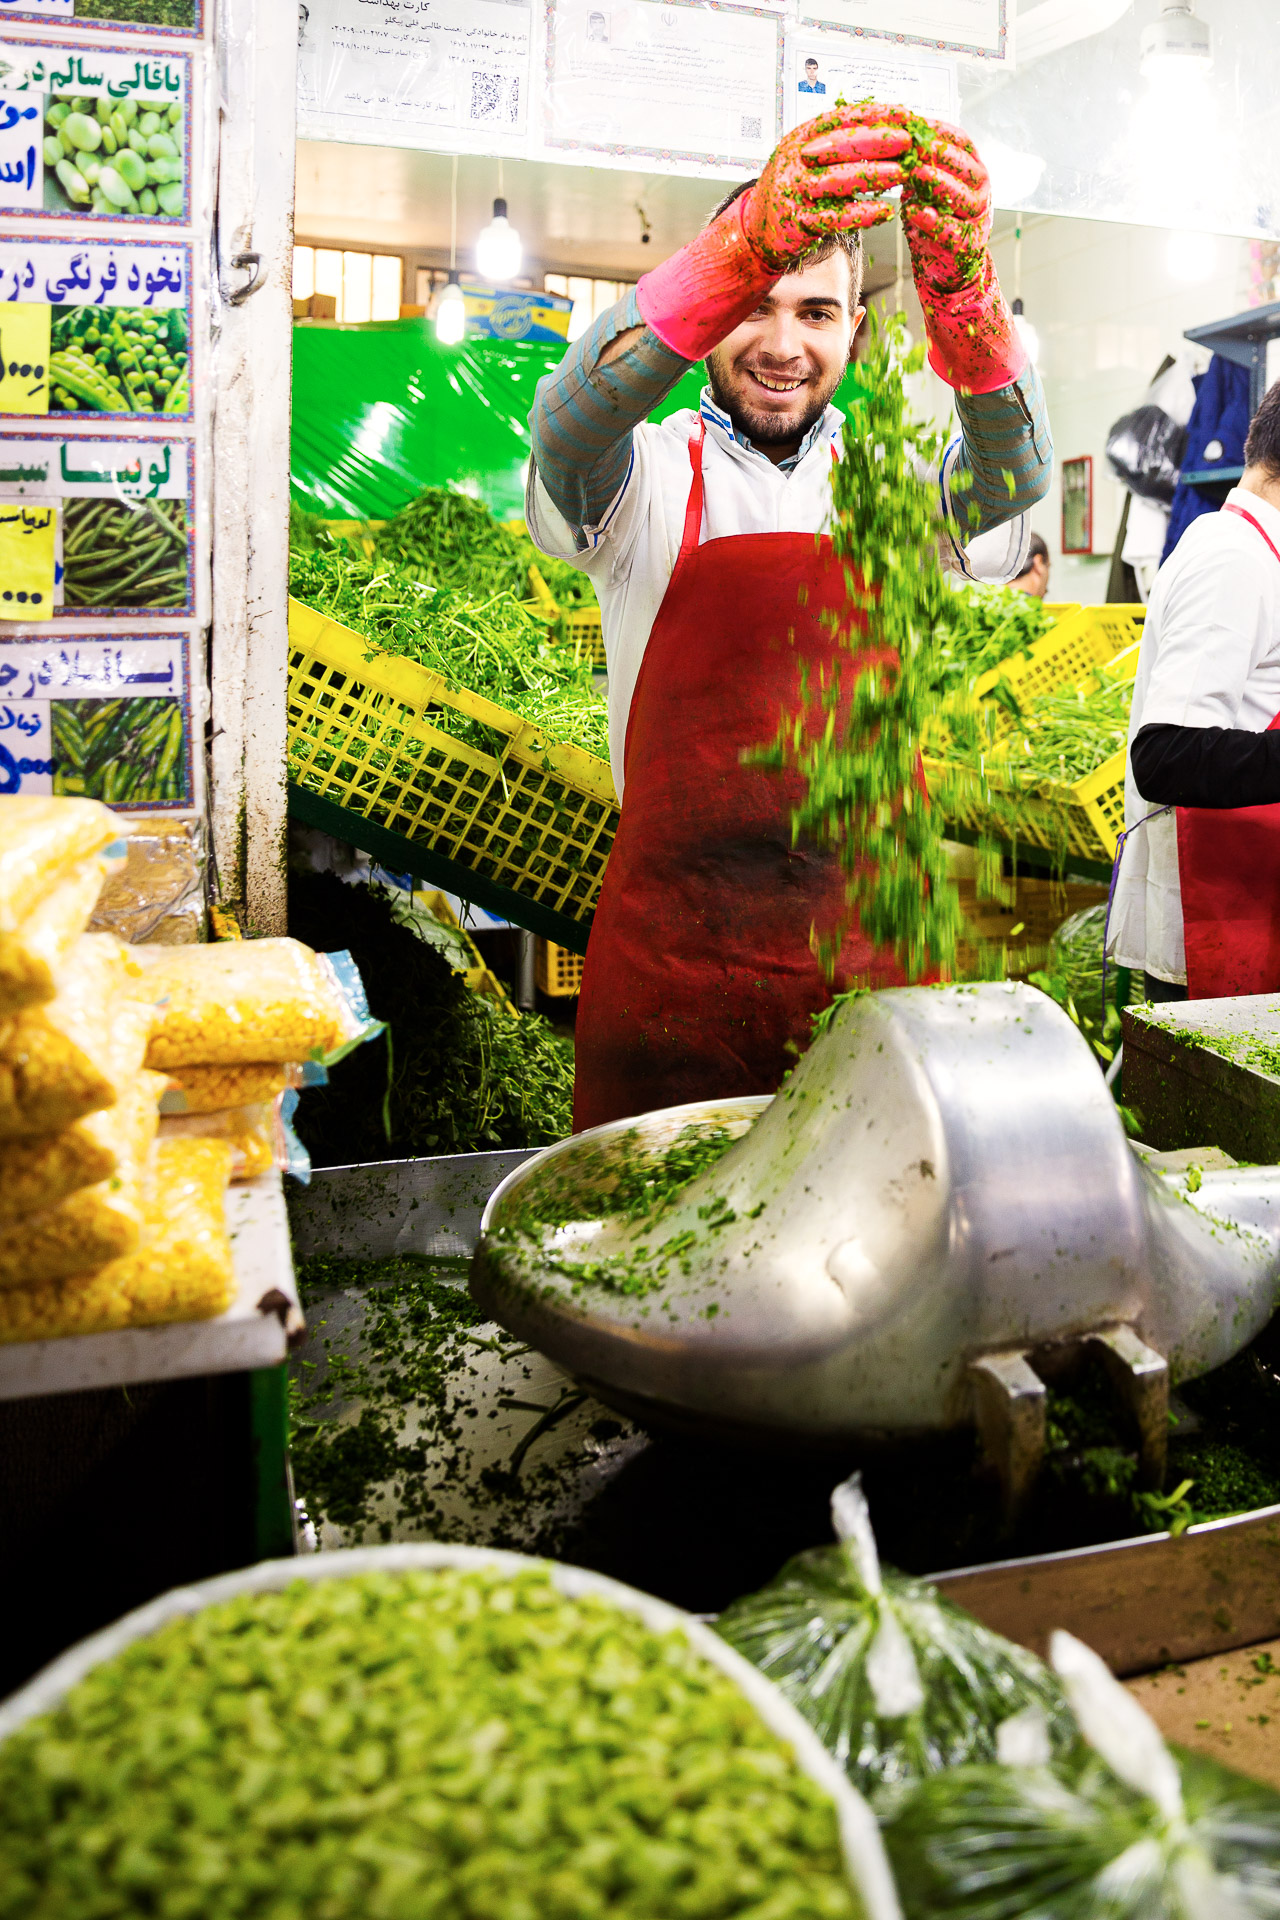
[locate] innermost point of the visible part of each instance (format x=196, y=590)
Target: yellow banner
x=28, y=545
x=24, y=357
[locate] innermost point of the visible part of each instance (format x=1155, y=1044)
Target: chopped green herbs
x=413, y=1746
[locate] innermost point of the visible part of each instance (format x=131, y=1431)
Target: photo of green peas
x=119, y=750
x=118, y=360
x=130, y=554
x=115, y=156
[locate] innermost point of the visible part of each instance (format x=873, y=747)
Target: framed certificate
x=1077, y=505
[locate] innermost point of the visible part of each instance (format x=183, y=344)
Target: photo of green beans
x=118, y=360
x=120, y=750
x=125, y=553
x=115, y=157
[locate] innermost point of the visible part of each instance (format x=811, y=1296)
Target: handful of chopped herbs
x=482, y=640
x=459, y=1074
x=429, y=1743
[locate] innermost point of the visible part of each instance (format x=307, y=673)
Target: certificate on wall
x=379, y=69
x=665, y=80
x=979, y=29
x=825, y=67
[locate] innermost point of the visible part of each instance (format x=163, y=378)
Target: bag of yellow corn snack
x=253, y=1000
x=213, y=1089
x=95, y=1224
x=261, y=1136
x=41, y=839
x=182, y=1269
x=44, y=1168
x=69, y=1057
x=31, y=956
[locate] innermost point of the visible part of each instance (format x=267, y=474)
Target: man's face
x=774, y=374
x=810, y=69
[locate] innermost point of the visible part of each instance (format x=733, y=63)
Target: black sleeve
x=1206, y=766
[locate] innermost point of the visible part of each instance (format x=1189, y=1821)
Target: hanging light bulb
x=1177, y=49
x=451, y=313
x=1026, y=332
x=451, y=308
x=498, y=248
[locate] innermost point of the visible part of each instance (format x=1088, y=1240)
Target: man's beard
x=766, y=429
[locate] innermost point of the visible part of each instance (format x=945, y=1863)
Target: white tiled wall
x=1107, y=310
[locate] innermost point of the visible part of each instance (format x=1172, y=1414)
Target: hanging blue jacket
x=1221, y=413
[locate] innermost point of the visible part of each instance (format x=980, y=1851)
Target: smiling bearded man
x=698, y=534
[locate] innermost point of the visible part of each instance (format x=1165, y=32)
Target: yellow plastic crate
x=557, y=971
x=1083, y=639
x=1085, y=819
x=581, y=627
x=533, y=815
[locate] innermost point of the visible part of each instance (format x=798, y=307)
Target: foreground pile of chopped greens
x=458, y=1073
x=463, y=1746
x=449, y=587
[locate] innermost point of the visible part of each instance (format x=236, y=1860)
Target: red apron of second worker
x=1197, y=895
x=700, y=978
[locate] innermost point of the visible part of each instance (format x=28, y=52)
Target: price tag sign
x=24, y=357
x=28, y=557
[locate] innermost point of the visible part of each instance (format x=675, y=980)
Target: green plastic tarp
x=382, y=410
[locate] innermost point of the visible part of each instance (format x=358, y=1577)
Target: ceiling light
x=1177, y=47
x=451, y=313
x=1014, y=175
x=498, y=248
x=1191, y=258
x=1026, y=332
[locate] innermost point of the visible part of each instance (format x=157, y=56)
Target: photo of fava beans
x=125, y=554
x=115, y=157
x=118, y=360
x=118, y=750
x=140, y=13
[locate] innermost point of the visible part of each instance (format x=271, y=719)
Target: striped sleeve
x=1007, y=448
x=583, y=413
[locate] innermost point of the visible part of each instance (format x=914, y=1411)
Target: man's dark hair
x=1037, y=550
x=849, y=243
x=811, y=62
x=1262, y=448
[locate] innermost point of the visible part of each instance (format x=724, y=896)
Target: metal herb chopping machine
x=937, y=1213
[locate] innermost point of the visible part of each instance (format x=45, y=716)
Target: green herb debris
x=465, y=1074
x=414, y=1746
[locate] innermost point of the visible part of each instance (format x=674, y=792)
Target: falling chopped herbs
x=443, y=1743
x=465, y=1074
x=857, y=735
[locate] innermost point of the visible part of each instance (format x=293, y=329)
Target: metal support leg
x=526, y=991
x=1140, y=1376
x=1011, y=1401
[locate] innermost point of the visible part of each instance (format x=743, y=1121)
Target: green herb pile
x=984, y=627
x=465, y=1074
x=487, y=643
x=447, y=539
x=392, y=1412
x=448, y=1744
x=1072, y=975
x=856, y=739
x=1071, y=733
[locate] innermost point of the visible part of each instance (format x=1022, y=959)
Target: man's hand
x=946, y=212
x=824, y=178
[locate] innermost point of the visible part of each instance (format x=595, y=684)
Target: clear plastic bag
x=212, y=1089
x=242, y=1001
x=71, y=1056
x=1118, y=1828
x=181, y=1270
x=895, y=1680
x=43, y=1169
x=41, y=839
x=97, y=1223
x=261, y=1136
x=31, y=957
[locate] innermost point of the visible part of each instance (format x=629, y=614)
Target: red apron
x=1229, y=873
x=700, y=977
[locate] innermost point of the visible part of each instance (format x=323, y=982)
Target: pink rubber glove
x=946, y=210
x=821, y=179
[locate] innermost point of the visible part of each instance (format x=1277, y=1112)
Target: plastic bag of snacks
x=213, y=1089
x=895, y=1680
x=31, y=956
x=41, y=1170
x=40, y=841
x=1118, y=1829
x=94, y=1224
x=182, y=1270
x=242, y=1001
x=70, y=1057
x=260, y=1136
